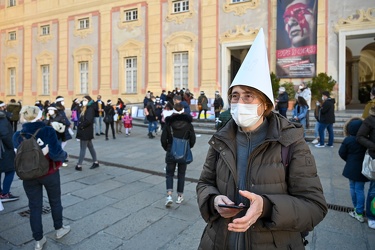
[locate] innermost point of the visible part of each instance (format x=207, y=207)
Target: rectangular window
x=12, y=36
x=84, y=77
x=45, y=79
x=239, y=1
x=12, y=81
x=131, y=15
x=180, y=6
x=11, y=3
x=131, y=75
x=44, y=30
x=181, y=70
x=84, y=23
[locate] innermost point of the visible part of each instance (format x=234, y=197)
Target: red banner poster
x=296, y=38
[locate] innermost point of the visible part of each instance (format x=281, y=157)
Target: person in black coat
x=353, y=153
x=6, y=156
x=326, y=119
x=85, y=132
x=177, y=125
x=108, y=119
x=282, y=101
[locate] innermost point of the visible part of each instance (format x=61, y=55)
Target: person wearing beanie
x=369, y=104
x=55, y=120
x=366, y=137
x=257, y=170
x=14, y=109
x=202, y=105
x=53, y=151
x=6, y=157
x=85, y=132
x=109, y=112
x=177, y=125
x=75, y=108
x=218, y=105
x=326, y=117
x=353, y=153
x=282, y=101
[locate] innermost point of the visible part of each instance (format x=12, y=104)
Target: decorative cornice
x=240, y=8
x=362, y=18
x=83, y=33
x=180, y=17
x=11, y=43
x=241, y=32
x=129, y=25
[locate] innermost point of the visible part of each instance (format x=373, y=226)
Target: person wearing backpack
x=47, y=140
x=6, y=156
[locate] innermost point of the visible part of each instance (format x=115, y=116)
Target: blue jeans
x=170, y=169
x=34, y=192
x=8, y=179
x=357, y=192
x=370, y=196
x=316, y=130
x=322, y=128
x=152, y=126
x=282, y=111
x=98, y=124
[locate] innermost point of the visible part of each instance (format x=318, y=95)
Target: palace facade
x=125, y=48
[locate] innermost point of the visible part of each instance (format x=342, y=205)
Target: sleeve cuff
x=267, y=208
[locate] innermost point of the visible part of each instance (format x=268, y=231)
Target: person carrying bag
x=177, y=139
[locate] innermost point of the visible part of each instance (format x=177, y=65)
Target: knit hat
x=109, y=102
x=31, y=113
x=255, y=71
x=326, y=93
x=59, y=98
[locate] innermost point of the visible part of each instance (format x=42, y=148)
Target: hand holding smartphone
x=233, y=206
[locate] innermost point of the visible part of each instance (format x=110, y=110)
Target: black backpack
x=30, y=162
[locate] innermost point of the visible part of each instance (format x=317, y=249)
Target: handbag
x=180, y=150
x=199, y=107
x=368, y=167
x=294, y=120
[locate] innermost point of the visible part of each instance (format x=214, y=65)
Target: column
x=355, y=77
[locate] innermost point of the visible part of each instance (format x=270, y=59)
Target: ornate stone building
x=125, y=48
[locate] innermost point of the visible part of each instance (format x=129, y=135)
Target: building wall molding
x=240, y=9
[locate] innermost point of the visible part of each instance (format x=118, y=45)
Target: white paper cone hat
x=254, y=71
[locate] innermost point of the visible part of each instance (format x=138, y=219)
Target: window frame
x=84, y=77
x=84, y=23
x=12, y=3
x=183, y=6
x=133, y=70
x=131, y=13
x=45, y=78
x=45, y=30
x=183, y=68
x=12, y=80
x=12, y=36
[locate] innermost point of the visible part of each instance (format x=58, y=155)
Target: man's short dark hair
x=177, y=97
x=178, y=106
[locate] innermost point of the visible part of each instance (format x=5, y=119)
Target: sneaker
x=169, y=201
x=331, y=146
x=102, y=133
x=315, y=141
x=179, y=200
x=127, y=134
x=40, y=243
x=319, y=146
x=97, y=134
x=78, y=168
x=62, y=232
x=356, y=216
x=94, y=165
x=106, y=138
x=371, y=223
x=8, y=197
x=65, y=164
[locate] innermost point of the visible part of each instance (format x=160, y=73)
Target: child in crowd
x=128, y=122
x=353, y=153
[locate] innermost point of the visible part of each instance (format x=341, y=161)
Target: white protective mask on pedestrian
x=245, y=115
x=84, y=103
x=51, y=112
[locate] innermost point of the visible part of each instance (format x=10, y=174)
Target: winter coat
x=283, y=100
x=367, y=108
x=327, y=111
x=67, y=123
x=85, y=130
x=202, y=100
x=295, y=197
x=181, y=127
x=109, y=112
x=224, y=117
x=60, y=119
x=366, y=134
x=352, y=152
x=218, y=104
x=45, y=137
x=14, y=109
x=6, y=144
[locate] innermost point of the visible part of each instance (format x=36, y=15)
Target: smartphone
x=233, y=206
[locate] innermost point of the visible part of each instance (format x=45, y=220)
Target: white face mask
x=51, y=112
x=245, y=115
x=84, y=103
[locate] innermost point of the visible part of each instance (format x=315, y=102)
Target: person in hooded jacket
x=353, y=153
x=275, y=198
x=14, y=108
x=61, y=110
x=366, y=137
x=177, y=125
x=108, y=119
x=51, y=147
x=53, y=117
x=326, y=120
x=85, y=132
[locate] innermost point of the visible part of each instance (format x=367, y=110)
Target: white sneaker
x=356, y=216
x=315, y=141
x=62, y=232
x=169, y=201
x=319, y=146
x=179, y=200
x=40, y=243
x=371, y=224
x=65, y=164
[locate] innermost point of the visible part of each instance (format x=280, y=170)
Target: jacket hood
x=352, y=126
x=178, y=120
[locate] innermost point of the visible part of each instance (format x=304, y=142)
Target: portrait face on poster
x=296, y=38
